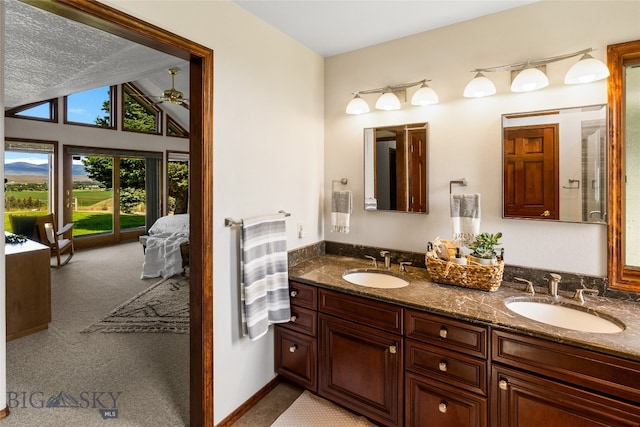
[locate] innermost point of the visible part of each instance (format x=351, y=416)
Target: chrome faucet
x=387, y=259
x=553, y=284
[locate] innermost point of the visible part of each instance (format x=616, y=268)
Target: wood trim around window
x=120, y=24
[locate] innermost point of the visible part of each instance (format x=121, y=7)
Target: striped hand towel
x=465, y=217
x=265, y=279
x=341, y=207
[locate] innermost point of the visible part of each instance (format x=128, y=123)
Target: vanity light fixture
x=532, y=77
x=389, y=99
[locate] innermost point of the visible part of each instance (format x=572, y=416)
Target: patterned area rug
x=312, y=411
x=163, y=307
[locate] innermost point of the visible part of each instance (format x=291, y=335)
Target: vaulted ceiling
x=47, y=56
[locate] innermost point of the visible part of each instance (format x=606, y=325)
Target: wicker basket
x=475, y=276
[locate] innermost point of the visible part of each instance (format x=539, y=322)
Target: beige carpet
x=312, y=411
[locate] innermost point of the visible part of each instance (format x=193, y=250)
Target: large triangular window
x=140, y=113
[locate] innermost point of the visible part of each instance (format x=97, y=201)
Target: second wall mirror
x=555, y=164
x=395, y=168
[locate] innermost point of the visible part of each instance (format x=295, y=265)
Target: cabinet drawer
x=302, y=320
x=376, y=314
x=429, y=403
x=601, y=372
x=296, y=357
x=453, y=368
x=444, y=332
x=303, y=295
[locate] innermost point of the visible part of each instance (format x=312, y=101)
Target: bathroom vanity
x=439, y=355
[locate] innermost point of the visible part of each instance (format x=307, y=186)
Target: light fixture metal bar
x=391, y=88
x=532, y=63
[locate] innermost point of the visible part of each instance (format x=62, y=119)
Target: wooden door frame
x=113, y=21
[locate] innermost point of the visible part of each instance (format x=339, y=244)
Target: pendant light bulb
x=528, y=80
x=388, y=101
x=586, y=70
x=424, y=96
x=357, y=105
x=479, y=86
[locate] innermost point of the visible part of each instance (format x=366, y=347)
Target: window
x=29, y=174
x=177, y=182
x=91, y=108
x=174, y=128
x=45, y=110
x=140, y=114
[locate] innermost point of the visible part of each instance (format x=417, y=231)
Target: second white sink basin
x=374, y=279
x=565, y=316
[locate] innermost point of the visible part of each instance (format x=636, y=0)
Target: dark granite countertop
x=479, y=306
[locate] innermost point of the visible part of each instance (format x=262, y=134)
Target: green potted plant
x=484, y=248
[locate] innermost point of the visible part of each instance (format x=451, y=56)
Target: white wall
x=465, y=134
x=268, y=139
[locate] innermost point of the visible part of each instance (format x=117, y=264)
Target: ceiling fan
x=173, y=95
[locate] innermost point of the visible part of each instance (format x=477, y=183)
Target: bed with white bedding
x=164, y=254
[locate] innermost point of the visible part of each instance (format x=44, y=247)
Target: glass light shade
x=529, y=79
x=424, y=96
x=357, y=106
x=480, y=86
x=586, y=70
x=388, y=101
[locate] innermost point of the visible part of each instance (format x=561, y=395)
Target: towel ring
x=462, y=181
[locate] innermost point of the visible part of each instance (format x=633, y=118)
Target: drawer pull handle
x=442, y=407
x=443, y=332
x=293, y=318
x=294, y=294
x=503, y=384
x=442, y=366
x=393, y=349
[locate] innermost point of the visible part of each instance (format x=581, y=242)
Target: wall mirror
x=555, y=164
x=623, y=231
x=395, y=168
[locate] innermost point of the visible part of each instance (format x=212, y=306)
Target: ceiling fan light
x=388, y=101
x=586, y=70
x=528, y=80
x=424, y=96
x=479, y=86
x=357, y=105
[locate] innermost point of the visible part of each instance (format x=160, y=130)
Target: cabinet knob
x=545, y=213
x=442, y=407
x=293, y=294
x=442, y=366
x=443, y=332
x=293, y=348
x=393, y=349
x=293, y=318
x=503, y=384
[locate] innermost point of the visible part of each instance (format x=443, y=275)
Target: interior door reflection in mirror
x=555, y=164
x=395, y=168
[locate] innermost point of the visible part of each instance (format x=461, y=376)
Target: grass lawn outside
x=86, y=223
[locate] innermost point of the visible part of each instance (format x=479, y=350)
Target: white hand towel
x=465, y=217
x=341, y=208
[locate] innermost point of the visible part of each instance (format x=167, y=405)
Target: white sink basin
x=374, y=279
x=565, y=316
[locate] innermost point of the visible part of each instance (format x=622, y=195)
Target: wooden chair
x=60, y=242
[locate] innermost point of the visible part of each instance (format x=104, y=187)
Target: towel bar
x=230, y=222
x=461, y=181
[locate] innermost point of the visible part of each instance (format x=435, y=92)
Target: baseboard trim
x=4, y=413
x=249, y=403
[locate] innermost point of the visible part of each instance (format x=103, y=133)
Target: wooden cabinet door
x=296, y=357
x=522, y=400
x=361, y=368
x=531, y=173
x=431, y=403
